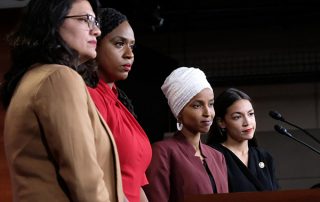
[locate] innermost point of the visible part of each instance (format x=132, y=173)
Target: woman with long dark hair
x=57, y=146
x=249, y=168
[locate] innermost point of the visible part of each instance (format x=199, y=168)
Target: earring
x=179, y=126
x=222, y=131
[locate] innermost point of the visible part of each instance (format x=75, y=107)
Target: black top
x=258, y=176
x=214, y=188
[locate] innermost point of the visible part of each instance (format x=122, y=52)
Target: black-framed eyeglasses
x=90, y=20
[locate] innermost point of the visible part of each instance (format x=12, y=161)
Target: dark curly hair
x=37, y=40
x=221, y=104
x=110, y=19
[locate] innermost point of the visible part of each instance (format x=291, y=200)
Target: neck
x=193, y=139
x=237, y=147
x=240, y=149
x=109, y=83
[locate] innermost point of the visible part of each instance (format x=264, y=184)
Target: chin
x=124, y=76
x=92, y=55
x=250, y=137
x=204, y=131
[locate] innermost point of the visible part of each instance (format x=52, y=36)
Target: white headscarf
x=182, y=85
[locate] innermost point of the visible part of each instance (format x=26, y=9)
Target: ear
x=221, y=123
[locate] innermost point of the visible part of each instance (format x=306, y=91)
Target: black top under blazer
x=258, y=176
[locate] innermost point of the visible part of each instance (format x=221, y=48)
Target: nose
x=128, y=52
x=95, y=31
x=208, y=111
x=245, y=121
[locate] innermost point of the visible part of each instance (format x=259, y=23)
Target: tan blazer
x=57, y=145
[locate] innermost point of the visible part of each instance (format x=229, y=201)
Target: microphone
x=285, y=132
x=277, y=116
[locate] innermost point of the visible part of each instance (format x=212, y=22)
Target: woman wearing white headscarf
x=182, y=165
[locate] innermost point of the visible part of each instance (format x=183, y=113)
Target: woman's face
x=239, y=121
x=198, y=114
x=115, y=53
x=76, y=33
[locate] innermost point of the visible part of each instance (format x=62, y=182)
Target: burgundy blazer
x=175, y=171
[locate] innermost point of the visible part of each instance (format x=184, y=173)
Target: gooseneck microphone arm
x=285, y=132
x=277, y=116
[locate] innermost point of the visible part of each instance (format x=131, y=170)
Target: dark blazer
x=258, y=176
x=175, y=171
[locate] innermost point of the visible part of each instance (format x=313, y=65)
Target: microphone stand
x=284, y=131
x=306, y=132
x=276, y=115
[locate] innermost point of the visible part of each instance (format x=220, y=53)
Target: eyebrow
x=80, y=15
x=122, y=38
x=197, y=100
x=251, y=110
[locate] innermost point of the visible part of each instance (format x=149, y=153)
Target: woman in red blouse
x=115, y=57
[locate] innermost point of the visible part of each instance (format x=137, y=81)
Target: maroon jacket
x=175, y=171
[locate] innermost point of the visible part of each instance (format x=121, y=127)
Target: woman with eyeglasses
x=57, y=146
x=115, y=58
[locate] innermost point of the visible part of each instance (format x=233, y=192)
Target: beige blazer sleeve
x=70, y=136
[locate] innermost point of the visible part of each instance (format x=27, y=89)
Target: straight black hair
x=221, y=104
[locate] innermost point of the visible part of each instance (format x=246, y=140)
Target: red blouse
x=132, y=142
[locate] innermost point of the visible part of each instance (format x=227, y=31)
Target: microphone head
x=282, y=130
x=276, y=115
x=279, y=129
